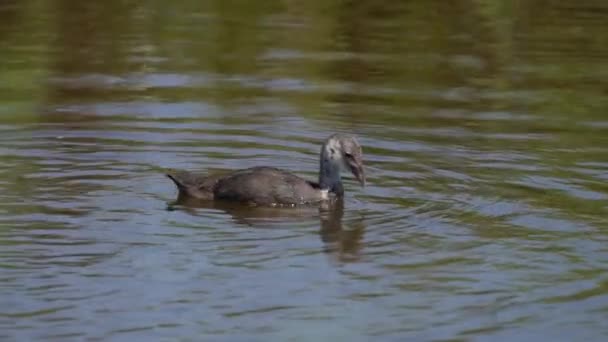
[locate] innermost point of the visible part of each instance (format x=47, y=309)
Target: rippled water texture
x=486, y=145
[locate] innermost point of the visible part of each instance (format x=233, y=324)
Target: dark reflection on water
x=485, y=138
x=339, y=240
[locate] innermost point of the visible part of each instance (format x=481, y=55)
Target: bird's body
x=269, y=186
x=260, y=185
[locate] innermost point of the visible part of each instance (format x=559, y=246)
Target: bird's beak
x=356, y=167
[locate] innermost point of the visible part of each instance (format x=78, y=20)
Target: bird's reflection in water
x=340, y=241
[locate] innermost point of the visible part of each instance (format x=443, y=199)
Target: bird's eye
x=348, y=155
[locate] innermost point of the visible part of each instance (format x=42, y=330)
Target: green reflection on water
x=359, y=59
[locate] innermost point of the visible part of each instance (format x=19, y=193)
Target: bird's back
x=266, y=186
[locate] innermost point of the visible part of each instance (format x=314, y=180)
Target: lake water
x=485, y=135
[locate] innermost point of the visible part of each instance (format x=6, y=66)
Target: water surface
x=485, y=138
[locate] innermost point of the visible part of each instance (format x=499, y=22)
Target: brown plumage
x=264, y=185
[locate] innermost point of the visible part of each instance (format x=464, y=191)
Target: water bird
x=269, y=186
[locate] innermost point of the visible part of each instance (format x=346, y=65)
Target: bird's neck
x=329, y=171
